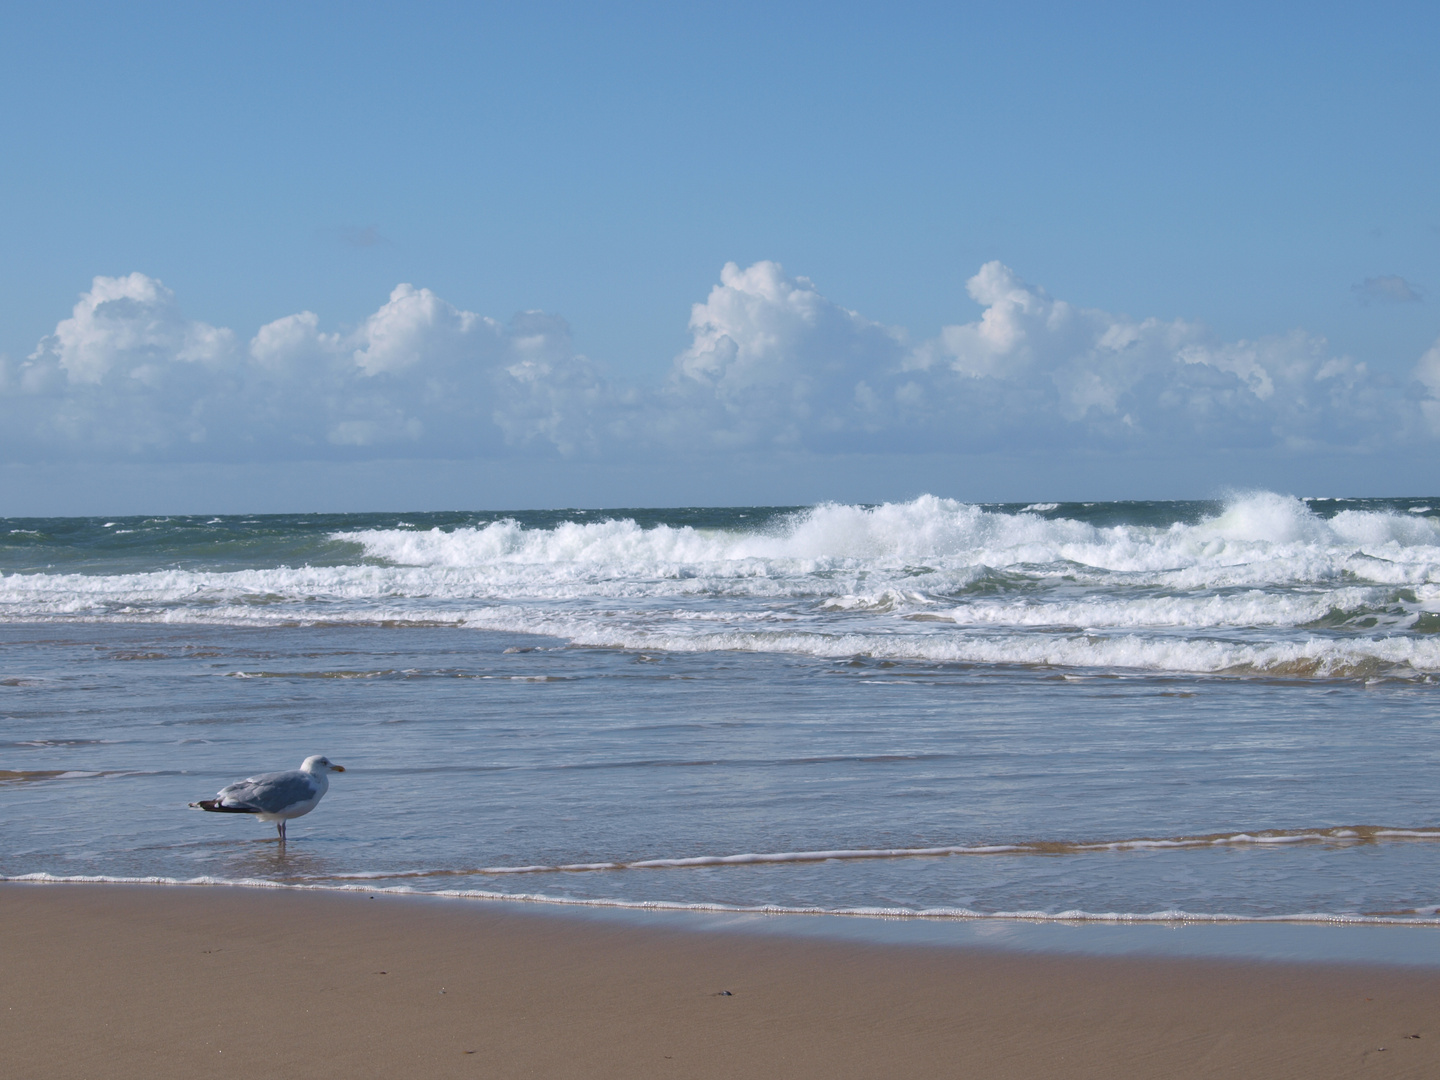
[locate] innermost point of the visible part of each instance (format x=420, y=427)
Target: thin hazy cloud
x=1390, y=289
x=355, y=236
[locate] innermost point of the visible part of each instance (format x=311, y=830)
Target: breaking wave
x=1265, y=586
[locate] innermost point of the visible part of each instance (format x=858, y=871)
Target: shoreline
x=164, y=980
x=1313, y=938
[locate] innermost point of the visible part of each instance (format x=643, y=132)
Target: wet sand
x=119, y=981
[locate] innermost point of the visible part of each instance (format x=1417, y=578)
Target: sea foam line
x=1349, y=834
x=1422, y=916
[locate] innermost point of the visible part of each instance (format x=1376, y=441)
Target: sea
x=1111, y=713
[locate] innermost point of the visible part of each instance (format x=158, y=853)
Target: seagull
x=276, y=796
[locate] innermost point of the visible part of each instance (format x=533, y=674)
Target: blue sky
x=1234, y=208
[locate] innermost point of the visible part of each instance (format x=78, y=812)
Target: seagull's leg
x=280, y=828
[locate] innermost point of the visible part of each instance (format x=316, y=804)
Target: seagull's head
x=317, y=763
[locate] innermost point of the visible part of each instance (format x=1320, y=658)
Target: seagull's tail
x=215, y=806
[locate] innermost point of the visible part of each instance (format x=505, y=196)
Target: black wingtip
x=216, y=807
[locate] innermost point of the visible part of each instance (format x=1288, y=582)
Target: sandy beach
x=151, y=981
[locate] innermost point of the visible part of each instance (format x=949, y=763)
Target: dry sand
x=150, y=981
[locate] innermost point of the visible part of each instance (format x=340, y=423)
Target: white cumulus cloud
x=773, y=361
x=778, y=363
x=130, y=326
x=125, y=372
x=772, y=364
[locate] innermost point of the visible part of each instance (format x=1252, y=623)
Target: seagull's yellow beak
x=337, y=768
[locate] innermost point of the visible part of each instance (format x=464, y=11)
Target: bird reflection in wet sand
x=278, y=863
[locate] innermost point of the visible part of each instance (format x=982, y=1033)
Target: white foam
x=1261, y=528
x=1420, y=917
x=1326, y=834
x=1307, y=657
x=1266, y=586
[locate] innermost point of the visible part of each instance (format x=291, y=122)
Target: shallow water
x=1129, y=711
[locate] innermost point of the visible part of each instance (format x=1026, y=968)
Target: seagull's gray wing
x=270, y=793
